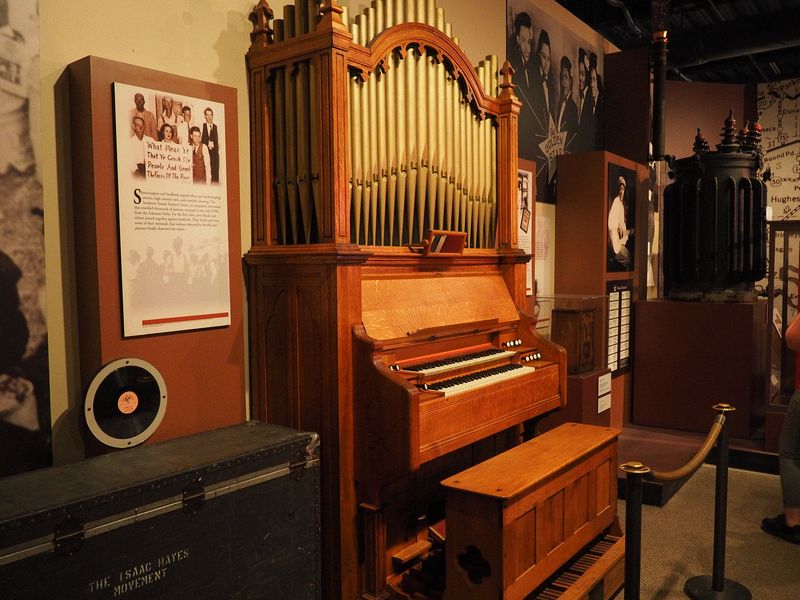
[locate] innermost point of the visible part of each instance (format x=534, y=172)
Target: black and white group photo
x=558, y=79
x=24, y=372
x=175, y=121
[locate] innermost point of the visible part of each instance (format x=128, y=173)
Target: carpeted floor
x=677, y=539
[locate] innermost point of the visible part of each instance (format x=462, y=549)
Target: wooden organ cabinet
x=368, y=137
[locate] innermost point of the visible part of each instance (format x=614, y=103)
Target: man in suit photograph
x=566, y=112
x=519, y=48
x=585, y=134
x=210, y=137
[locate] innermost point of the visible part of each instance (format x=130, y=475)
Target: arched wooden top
x=435, y=43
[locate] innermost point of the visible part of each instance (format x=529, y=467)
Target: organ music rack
x=363, y=138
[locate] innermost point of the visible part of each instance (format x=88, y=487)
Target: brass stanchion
x=703, y=587
x=634, y=471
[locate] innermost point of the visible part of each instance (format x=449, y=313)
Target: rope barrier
x=700, y=587
x=697, y=460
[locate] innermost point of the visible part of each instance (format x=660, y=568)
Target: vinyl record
x=125, y=402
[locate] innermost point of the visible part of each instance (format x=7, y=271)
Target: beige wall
x=689, y=105
x=202, y=39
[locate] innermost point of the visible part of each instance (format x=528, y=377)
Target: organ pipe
x=422, y=155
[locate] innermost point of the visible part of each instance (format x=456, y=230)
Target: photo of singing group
x=155, y=116
x=559, y=81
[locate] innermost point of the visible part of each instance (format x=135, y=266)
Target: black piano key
x=478, y=375
x=453, y=360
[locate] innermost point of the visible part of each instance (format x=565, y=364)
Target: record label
x=125, y=402
x=128, y=402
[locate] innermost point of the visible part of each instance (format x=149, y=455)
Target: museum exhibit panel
x=586, y=264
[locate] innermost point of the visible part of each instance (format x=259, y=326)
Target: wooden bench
x=520, y=521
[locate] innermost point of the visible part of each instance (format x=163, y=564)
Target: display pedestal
x=587, y=186
x=692, y=355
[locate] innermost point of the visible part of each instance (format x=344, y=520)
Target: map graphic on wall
x=779, y=110
x=558, y=78
x=173, y=219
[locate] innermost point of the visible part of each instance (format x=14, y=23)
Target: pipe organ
x=368, y=134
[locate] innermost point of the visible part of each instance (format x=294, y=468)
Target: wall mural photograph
x=558, y=78
x=24, y=375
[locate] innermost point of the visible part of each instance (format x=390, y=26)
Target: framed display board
x=172, y=210
x=129, y=213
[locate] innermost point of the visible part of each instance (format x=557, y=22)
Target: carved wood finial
x=506, y=85
x=332, y=14
x=261, y=17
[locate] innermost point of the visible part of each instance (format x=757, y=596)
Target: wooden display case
x=587, y=187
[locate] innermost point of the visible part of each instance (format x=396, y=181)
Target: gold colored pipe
x=381, y=115
x=300, y=18
x=422, y=141
x=400, y=148
x=279, y=142
x=366, y=160
x=493, y=162
x=480, y=198
x=302, y=146
x=470, y=213
x=431, y=200
x=413, y=158
x=374, y=158
x=430, y=13
x=289, y=21
x=448, y=164
x=291, y=157
x=458, y=200
x=316, y=184
x=355, y=153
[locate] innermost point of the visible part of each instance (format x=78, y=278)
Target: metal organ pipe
x=421, y=154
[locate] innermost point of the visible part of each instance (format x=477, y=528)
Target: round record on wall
x=125, y=402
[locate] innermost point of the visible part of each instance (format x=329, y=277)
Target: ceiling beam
x=742, y=37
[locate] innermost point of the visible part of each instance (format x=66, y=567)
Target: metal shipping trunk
x=230, y=513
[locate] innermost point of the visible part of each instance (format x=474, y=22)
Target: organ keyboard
x=478, y=379
x=445, y=364
x=437, y=375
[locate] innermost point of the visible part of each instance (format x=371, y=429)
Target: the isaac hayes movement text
x=161, y=211
x=139, y=575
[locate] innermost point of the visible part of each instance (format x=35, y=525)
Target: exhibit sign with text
x=173, y=211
